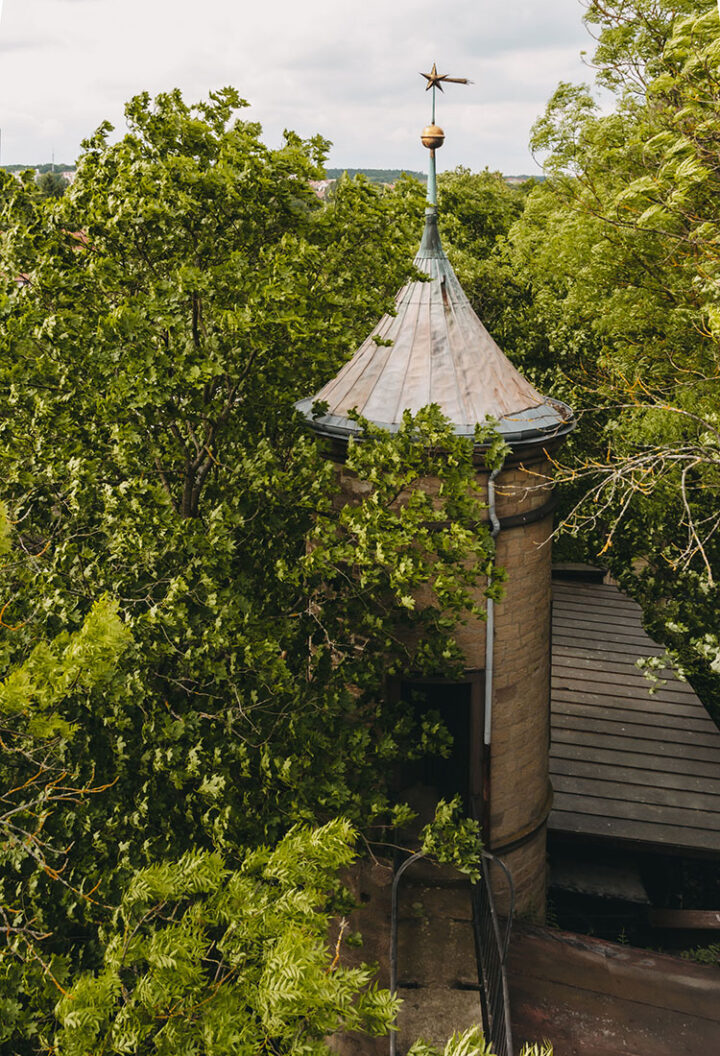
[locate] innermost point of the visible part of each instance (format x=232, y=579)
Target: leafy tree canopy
x=234, y=956
x=51, y=184
x=609, y=298
x=178, y=299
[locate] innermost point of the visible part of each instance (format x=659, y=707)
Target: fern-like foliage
x=213, y=958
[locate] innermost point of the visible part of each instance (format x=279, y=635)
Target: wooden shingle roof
x=625, y=764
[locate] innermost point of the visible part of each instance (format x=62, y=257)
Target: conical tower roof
x=434, y=349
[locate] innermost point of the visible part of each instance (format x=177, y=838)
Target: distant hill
x=47, y=166
x=376, y=175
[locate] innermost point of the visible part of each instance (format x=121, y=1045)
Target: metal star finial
x=432, y=136
x=434, y=79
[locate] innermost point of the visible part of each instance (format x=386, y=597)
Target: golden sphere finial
x=432, y=137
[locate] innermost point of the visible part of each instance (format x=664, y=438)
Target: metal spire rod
x=433, y=136
x=432, y=181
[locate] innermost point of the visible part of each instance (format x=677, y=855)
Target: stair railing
x=491, y=948
x=394, y=936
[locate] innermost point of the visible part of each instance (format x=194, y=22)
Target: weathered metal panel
x=441, y=353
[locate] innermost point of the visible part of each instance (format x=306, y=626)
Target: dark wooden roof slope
x=624, y=764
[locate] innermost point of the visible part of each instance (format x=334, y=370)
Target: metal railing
x=491, y=947
x=394, y=936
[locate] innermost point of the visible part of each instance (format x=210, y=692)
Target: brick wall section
x=521, y=700
x=519, y=781
x=527, y=865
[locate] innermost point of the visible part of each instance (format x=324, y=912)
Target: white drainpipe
x=490, y=625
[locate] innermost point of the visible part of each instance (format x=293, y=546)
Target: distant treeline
x=49, y=166
x=391, y=175
x=376, y=175
x=524, y=178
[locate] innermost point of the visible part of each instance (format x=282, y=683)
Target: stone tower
x=436, y=350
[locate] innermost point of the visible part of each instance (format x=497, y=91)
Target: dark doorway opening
x=460, y=707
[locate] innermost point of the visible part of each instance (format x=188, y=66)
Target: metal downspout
x=489, y=660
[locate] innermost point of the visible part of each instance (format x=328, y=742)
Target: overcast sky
x=346, y=70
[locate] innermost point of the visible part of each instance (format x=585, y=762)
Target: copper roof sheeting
x=440, y=353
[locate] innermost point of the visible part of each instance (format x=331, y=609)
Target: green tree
x=180, y=297
x=37, y=790
x=51, y=185
x=477, y=209
x=232, y=958
x=616, y=263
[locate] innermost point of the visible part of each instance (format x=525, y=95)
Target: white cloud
x=346, y=70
